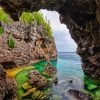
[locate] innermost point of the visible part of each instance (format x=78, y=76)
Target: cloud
x=64, y=42
x=54, y=20
x=62, y=37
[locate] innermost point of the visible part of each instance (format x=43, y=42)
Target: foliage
x=4, y=17
x=38, y=16
x=11, y=43
x=1, y=30
x=92, y=87
x=27, y=17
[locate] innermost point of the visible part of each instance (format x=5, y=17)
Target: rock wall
x=7, y=86
x=82, y=18
x=31, y=44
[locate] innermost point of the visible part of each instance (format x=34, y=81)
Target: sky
x=63, y=40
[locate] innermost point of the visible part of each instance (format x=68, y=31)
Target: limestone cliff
x=31, y=44
x=82, y=18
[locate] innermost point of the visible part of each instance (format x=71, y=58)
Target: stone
x=80, y=95
x=35, y=94
x=37, y=80
x=50, y=70
x=25, y=51
x=55, y=80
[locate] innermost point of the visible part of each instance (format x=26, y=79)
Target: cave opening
x=83, y=21
x=63, y=40
x=69, y=70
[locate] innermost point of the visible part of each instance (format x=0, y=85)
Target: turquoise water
x=69, y=74
x=68, y=65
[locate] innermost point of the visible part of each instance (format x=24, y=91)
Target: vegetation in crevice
x=4, y=16
x=11, y=43
x=41, y=21
x=28, y=18
x=38, y=17
x=1, y=30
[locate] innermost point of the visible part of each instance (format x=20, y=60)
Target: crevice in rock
x=7, y=86
x=8, y=64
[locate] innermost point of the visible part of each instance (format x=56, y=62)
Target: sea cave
x=81, y=17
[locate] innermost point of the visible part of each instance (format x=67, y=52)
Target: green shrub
x=11, y=43
x=4, y=16
x=27, y=17
x=38, y=16
x=1, y=30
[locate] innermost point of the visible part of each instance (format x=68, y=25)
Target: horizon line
x=66, y=52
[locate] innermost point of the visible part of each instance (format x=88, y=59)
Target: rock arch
x=82, y=17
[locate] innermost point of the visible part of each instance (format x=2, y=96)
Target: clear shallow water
x=68, y=65
x=69, y=74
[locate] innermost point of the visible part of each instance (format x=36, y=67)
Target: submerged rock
x=33, y=72
x=30, y=91
x=50, y=70
x=55, y=80
x=36, y=86
x=27, y=86
x=35, y=94
x=80, y=95
x=37, y=80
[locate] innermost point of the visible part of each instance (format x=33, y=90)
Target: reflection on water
x=70, y=76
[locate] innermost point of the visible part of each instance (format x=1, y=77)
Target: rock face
x=82, y=18
x=7, y=86
x=30, y=44
x=79, y=95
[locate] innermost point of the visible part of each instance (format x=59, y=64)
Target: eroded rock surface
x=7, y=86
x=80, y=95
x=82, y=18
x=30, y=44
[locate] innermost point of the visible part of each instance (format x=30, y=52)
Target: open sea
x=69, y=74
